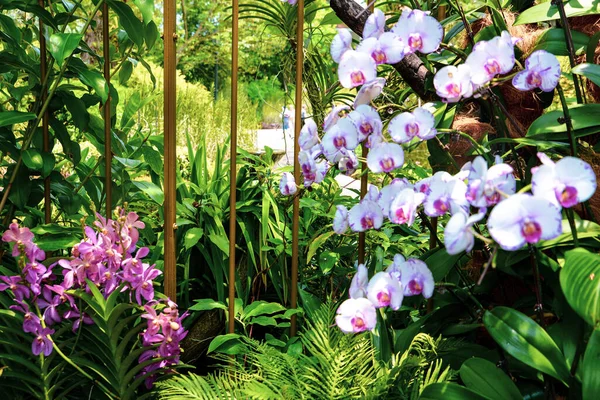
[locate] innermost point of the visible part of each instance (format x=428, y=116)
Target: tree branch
x=411, y=68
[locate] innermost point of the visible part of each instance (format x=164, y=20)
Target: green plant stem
x=464, y=20
x=450, y=157
x=570, y=47
x=539, y=307
x=454, y=50
x=568, y=122
x=43, y=375
x=488, y=264
x=34, y=125
x=465, y=135
x=571, y=218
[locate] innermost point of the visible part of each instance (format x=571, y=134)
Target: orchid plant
x=77, y=291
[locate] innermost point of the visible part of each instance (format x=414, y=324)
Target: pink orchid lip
x=531, y=231
x=567, y=197
x=357, y=77
x=415, y=287
x=383, y=298
x=441, y=206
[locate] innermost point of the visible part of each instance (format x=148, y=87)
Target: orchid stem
x=571, y=218
x=568, y=122
x=487, y=265
x=570, y=47
x=539, y=307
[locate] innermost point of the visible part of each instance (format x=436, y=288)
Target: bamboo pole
x=297, y=127
x=106, y=112
x=170, y=161
x=46, y=136
x=364, y=184
x=233, y=162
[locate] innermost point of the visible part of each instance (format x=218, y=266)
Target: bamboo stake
x=46, y=145
x=233, y=162
x=170, y=102
x=297, y=127
x=106, y=112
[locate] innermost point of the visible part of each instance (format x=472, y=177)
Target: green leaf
x=264, y=321
x=440, y=263
x=192, y=236
x=33, y=159
x=583, y=116
x=327, y=261
x=591, y=360
x=553, y=41
x=590, y=71
x=261, y=308
x=222, y=242
x=125, y=72
x=56, y=242
x=146, y=8
x=331, y=18
x=207, y=304
x=91, y=78
x=153, y=158
x=152, y=190
x=449, y=391
x=62, y=45
x=547, y=12
x=316, y=243
x=128, y=21
x=14, y=117
x=150, y=34
x=485, y=378
x=525, y=340
x=230, y=343
x=580, y=283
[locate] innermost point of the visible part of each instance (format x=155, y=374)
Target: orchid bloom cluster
x=522, y=218
x=387, y=288
x=106, y=257
x=491, y=58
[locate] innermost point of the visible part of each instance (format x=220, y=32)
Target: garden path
x=275, y=139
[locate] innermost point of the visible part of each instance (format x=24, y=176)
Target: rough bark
x=411, y=68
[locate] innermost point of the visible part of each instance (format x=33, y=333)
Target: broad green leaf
x=91, y=78
x=310, y=302
x=525, y=340
x=449, y=391
x=125, y=72
x=10, y=28
x=485, y=378
x=327, y=261
x=129, y=22
x=261, y=308
x=14, y=117
x=153, y=158
x=222, y=242
x=591, y=362
x=440, y=263
x=146, y=8
x=48, y=164
x=207, y=304
x=192, y=236
x=583, y=116
x=264, y=321
x=580, y=283
x=150, y=34
x=56, y=242
x=32, y=158
x=316, y=243
x=62, y=45
x=128, y=162
x=152, y=190
x=553, y=41
x=548, y=12
x=590, y=71
x=230, y=343
x=331, y=18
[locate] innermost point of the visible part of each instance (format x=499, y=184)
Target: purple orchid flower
x=356, y=68
x=31, y=322
x=417, y=278
x=360, y=281
x=42, y=343
x=384, y=290
x=367, y=121
x=308, y=135
x=374, y=25
x=523, y=218
x=143, y=283
x=395, y=269
x=386, y=157
x=356, y=315
x=491, y=58
x=458, y=233
x=487, y=187
x=387, y=49
x=340, y=220
x=334, y=115
x=565, y=183
x=343, y=135
x=369, y=91
x=389, y=192
x=446, y=196
x=406, y=126
x=542, y=70
x=419, y=31
x=341, y=43
x=287, y=185
x=365, y=215
x=348, y=163
x=453, y=83
x=16, y=286
x=22, y=238
x=403, y=208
